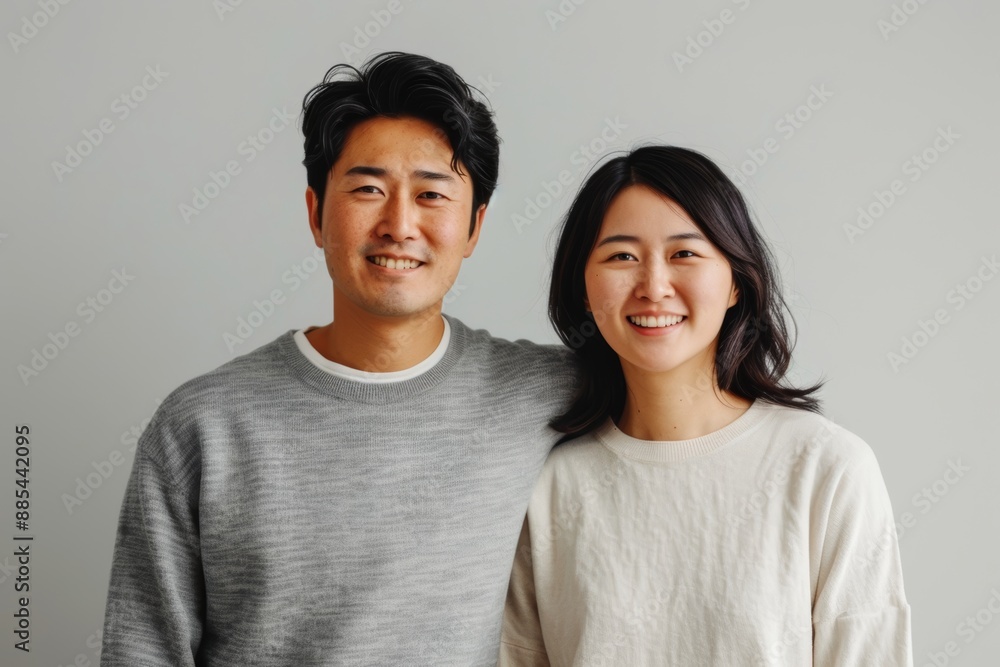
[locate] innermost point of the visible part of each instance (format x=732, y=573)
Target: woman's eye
x=682, y=255
x=623, y=256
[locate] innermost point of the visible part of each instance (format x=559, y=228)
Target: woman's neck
x=677, y=405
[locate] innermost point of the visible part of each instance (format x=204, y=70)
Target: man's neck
x=379, y=344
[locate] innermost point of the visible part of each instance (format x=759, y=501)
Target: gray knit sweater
x=277, y=514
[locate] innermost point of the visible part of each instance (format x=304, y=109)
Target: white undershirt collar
x=349, y=373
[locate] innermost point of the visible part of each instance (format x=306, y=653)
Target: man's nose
x=399, y=219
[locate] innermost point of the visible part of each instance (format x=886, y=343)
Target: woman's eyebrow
x=687, y=236
x=625, y=238
x=618, y=238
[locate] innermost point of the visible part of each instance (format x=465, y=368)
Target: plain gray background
x=893, y=78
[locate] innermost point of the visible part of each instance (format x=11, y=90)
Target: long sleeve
x=521, y=643
x=156, y=599
x=860, y=613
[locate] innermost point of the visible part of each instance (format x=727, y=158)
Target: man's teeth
x=661, y=321
x=390, y=263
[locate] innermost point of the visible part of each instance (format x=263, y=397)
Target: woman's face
x=657, y=287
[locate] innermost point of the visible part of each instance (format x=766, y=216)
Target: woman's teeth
x=655, y=322
x=390, y=263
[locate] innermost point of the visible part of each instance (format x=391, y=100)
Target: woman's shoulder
x=575, y=473
x=578, y=449
x=581, y=457
x=817, y=437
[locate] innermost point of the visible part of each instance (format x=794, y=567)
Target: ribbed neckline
x=318, y=360
x=367, y=392
x=675, y=451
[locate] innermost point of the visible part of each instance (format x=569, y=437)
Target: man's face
x=395, y=220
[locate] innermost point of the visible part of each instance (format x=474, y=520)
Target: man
x=350, y=494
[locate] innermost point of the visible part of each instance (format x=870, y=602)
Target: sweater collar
x=675, y=451
x=367, y=392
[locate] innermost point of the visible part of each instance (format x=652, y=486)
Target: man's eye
x=368, y=189
x=432, y=195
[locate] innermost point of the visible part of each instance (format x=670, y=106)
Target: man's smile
x=401, y=263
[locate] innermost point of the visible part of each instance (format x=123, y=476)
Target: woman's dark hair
x=754, y=349
x=393, y=85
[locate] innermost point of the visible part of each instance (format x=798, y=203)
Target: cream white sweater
x=768, y=542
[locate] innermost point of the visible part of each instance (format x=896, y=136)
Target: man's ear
x=315, y=216
x=477, y=226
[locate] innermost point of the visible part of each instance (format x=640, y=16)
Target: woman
x=705, y=513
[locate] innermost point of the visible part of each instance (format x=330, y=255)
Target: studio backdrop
x=154, y=227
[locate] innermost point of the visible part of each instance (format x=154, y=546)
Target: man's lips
x=395, y=263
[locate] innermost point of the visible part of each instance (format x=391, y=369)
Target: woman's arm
x=521, y=643
x=860, y=614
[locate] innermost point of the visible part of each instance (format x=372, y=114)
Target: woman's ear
x=734, y=296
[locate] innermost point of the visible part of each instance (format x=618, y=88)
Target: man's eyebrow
x=364, y=170
x=432, y=175
x=423, y=174
x=625, y=238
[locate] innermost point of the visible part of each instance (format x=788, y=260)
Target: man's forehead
x=397, y=147
x=398, y=135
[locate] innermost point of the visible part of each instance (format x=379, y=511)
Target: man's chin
x=390, y=302
x=404, y=310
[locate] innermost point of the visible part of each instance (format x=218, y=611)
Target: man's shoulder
x=229, y=383
x=520, y=356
